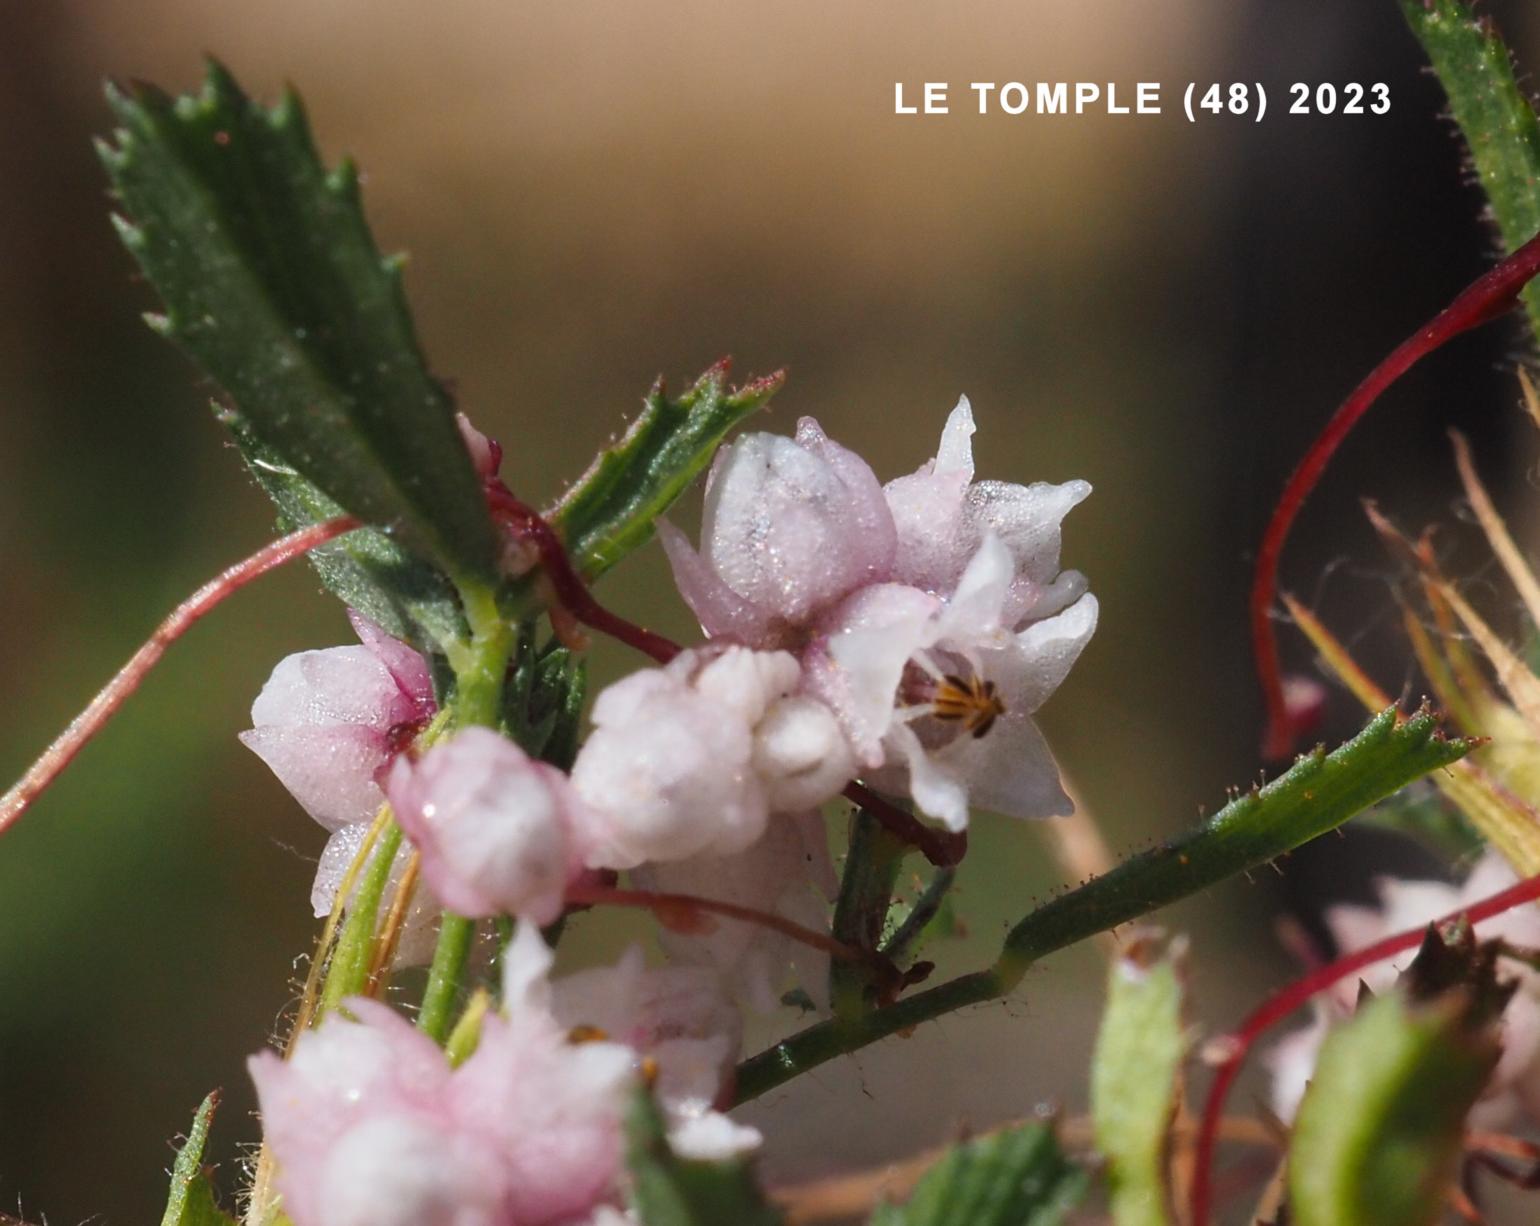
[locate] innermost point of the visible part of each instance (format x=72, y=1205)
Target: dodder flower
x=692, y=759
x=498, y=833
x=328, y=722
x=933, y=620
x=371, y=1127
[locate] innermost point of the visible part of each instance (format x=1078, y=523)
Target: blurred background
x=592, y=194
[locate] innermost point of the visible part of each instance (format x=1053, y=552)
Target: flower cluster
x=903, y=634
x=1514, y=1087
x=374, y=1128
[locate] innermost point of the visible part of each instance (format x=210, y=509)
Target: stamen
x=588, y=1034
x=974, y=702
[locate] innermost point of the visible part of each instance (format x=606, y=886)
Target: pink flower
x=328, y=722
x=1404, y=905
x=943, y=515
x=691, y=759
x=933, y=627
x=790, y=527
x=679, y=1018
x=496, y=831
x=370, y=1127
x=360, y=1124
x=787, y=872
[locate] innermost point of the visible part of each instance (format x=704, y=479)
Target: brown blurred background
x=593, y=193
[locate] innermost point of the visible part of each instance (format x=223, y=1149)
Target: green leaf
x=543, y=700
x=1015, y=1177
x=192, y=1201
x=271, y=280
x=1135, y=1080
x=1496, y=119
x=1317, y=794
x=367, y=570
x=1380, y=1130
x=610, y=510
x=667, y=1190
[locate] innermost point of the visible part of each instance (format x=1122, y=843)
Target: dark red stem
x=1485, y=299
x=1286, y=1000
x=941, y=847
x=571, y=591
x=664, y=904
x=105, y=705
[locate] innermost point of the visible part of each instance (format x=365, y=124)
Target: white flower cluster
x=903, y=634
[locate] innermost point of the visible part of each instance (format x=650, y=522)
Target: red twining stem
x=1484, y=299
x=1286, y=1000
x=669, y=906
x=102, y=708
x=528, y=524
x=941, y=847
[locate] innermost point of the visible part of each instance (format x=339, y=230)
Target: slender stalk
x=837, y=1037
x=389, y=936
x=455, y=934
x=117, y=691
x=925, y=909
x=310, y=996
x=1488, y=297
x=941, y=847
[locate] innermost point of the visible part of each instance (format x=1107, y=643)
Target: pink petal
x=330, y=770
x=721, y=611
x=337, y=685
x=790, y=526
x=492, y=827
x=404, y=663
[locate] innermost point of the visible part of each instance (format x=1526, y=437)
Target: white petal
x=972, y=614
x=527, y=964
x=330, y=770
x=792, y=525
x=871, y=639
x=1011, y=770
x=720, y=610
x=935, y=786
x=1026, y=518
x=801, y=754
x=956, y=451
x=1042, y=655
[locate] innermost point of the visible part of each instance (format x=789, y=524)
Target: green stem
x=455, y=933
x=837, y=1037
x=1316, y=795
x=348, y=973
x=861, y=911
x=481, y=665
x=908, y=934
x=481, y=668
